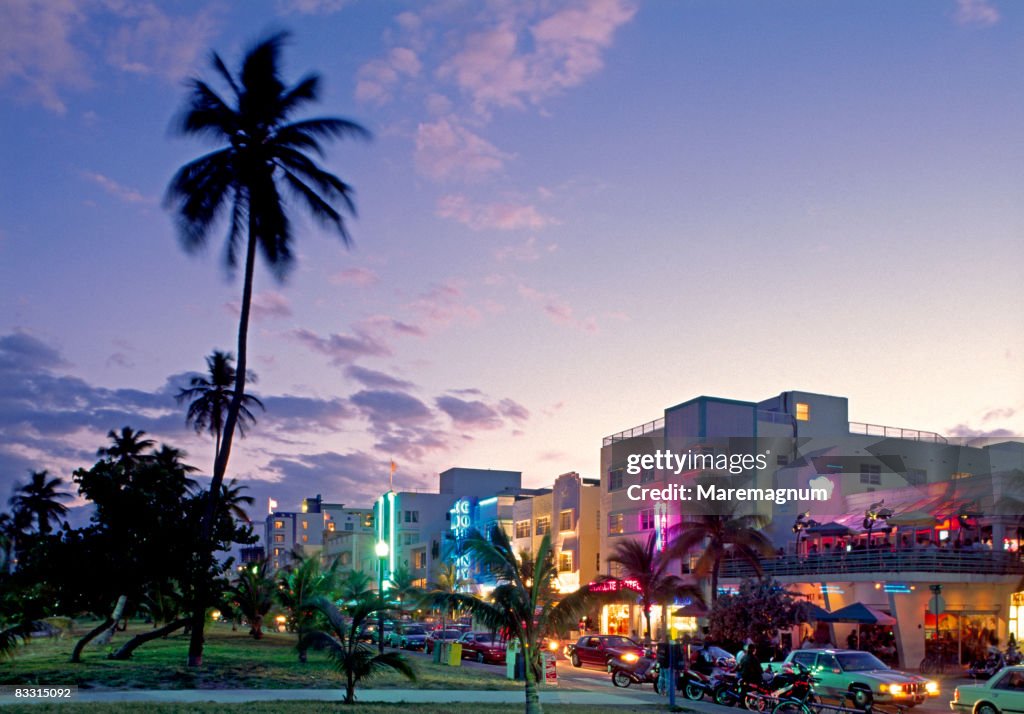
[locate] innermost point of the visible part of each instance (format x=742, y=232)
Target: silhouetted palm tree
x=299, y=585
x=252, y=594
x=718, y=533
x=648, y=567
x=126, y=449
x=263, y=154
x=211, y=395
x=39, y=500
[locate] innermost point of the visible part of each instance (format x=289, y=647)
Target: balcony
x=641, y=430
x=882, y=563
x=895, y=432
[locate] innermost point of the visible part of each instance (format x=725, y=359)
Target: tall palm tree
x=210, y=396
x=718, y=533
x=648, y=567
x=526, y=603
x=263, y=154
x=39, y=500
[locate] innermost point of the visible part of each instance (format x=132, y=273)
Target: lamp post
x=382, y=551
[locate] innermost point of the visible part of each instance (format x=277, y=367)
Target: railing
x=774, y=417
x=882, y=561
x=895, y=432
x=635, y=431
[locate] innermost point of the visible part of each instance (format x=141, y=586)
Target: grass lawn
x=316, y=708
x=231, y=660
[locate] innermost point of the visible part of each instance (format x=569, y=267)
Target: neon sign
x=612, y=586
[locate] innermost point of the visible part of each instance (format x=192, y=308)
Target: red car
x=482, y=647
x=437, y=636
x=598, y=650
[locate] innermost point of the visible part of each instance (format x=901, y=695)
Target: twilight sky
x=573, y=214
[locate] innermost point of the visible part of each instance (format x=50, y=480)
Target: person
x=807, y=644
x=705, y=663
x=750, y=671
x=742, y=654
x=851, y=640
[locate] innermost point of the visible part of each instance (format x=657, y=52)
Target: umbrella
x=829, y=529
x=859, y=614
x=816, y=613
x=912, y=518
x=693, y=609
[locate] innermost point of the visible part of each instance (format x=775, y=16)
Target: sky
x=572, y=215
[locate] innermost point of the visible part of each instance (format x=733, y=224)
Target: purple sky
x=573, y=214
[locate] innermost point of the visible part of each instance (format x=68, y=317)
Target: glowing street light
x=381, y=549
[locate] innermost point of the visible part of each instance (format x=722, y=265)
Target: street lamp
x=875, y=512
x=382, y=550
x=803, y=522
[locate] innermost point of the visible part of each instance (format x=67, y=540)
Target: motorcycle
x=985, y=669
x=633, y=669
x=694, y=685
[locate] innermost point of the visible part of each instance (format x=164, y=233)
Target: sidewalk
x=385, y=696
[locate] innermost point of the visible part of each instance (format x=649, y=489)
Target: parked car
x=482, y=647
x=369, y=633
x=437, y=636
x=861, y=677
x=1003, y=693
x=408, y=636
x=599, y=650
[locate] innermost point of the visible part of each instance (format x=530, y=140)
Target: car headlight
x=931, y=687
x=896, y=689
x=553, y=645
x=630, y=657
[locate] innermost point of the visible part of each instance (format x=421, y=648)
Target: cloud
x=966, y=430
x=1003, y=413
x=469, y=414
x=374, y=379
x=149, y=42
x=310, y=7
x=20, y=351
x=527, y=251
x=123, y=193
x=558, y=310
x=566, y=47
x=300, y=415
x=975, y=13
x=444, y=304
x=356, y=478
x=446, y=150
x=356, y=276
x=265, y=306
x=513, y=409
x=343, y=349
x=384, y=407
x=498, y=216
x=376, y=79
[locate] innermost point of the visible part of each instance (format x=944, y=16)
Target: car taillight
x=956, y=694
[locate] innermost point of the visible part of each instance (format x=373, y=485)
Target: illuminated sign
x=461, y=521
x=611, y=586
x=660, y=525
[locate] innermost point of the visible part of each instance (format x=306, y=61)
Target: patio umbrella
x=860, y=614
x=816, y=613
x=829, y=529
x=691, y=610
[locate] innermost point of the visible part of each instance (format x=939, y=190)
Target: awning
x=859, y=614
x=829, y=529
x=912, y=518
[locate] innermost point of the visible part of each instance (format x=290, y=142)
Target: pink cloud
x=498, y=216
x=343, y=349
x=355, y=276
x=265, y=306
x=528, y=251
x=444, y=304
x=558, y=310
x=976, y=13
x=376, y=80
x=447, y=150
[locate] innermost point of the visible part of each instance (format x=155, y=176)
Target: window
x=565, y=561
x=279, y=537
x=871, y=473
x=420, y=560
x=782, y=460
x=345, y=559
x=349, y=527
x=412, y=516
x=305, y=538
x=803, y=411
x=597, y=562
x=522, y=529
x=647, y=519
x=368, y=520
x=543, y=525
x=330, y=526
x=615, y=523
x=305, y=525
x=277, y=552
x=565, y=520
x=279, y=525
x=615, y=479
x=647, y=475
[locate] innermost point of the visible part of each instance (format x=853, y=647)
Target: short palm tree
x=716, y=532
x=263, y=155
x=252, y=595
x=648, y=567
x=446, y=582
x=353, y=659
x=404, y=595
x=210, y=395
x=39, y=501
x=299, y=585
x=525, y=604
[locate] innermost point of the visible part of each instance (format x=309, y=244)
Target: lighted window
x=803, y=411
x=368, y=520
x=279, y=524
x=305, y=538
x=279, y=537
x=305, y=525
x=543, y=525
x=565, y=520
x=277, y=551
x=615, y=523
x=522, y=529
x=565, y=562
x=330, y=526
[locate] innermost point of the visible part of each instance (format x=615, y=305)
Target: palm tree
x=404, y=594
x=39, y=500
x=211, y=396
x=446, y=581
x=252, y=594
x=299, y=585
x=525, y=604
x=648, y=567
x=263, y=152
x=355, y=660
x=720, y=533
x=126, y=449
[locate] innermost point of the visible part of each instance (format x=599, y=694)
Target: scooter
x=642, y=670
x=985, y=669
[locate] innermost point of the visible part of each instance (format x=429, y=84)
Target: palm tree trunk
x=350, y=688
x=76, y=653
x=533, y=705
x=195, y=649
x=125, y=651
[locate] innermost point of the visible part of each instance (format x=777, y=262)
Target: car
x=599, y=650
x=437, y=636
x=483, y=647
x=860, y=677
x=1003, y=693
x=409, y=636
x=719, y=657
x=369, y=633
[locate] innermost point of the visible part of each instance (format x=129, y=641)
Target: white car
x=1003, y=693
